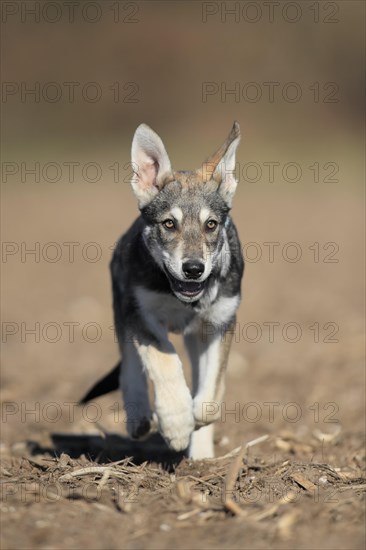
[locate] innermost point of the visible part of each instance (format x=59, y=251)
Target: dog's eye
x=169, y=224
x=211, y=225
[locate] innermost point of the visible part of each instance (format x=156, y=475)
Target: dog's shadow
x=110, y=448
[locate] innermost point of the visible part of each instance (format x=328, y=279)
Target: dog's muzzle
x=187, y=289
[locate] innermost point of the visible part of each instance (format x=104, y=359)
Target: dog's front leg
x=173, y=400
x=208, y=349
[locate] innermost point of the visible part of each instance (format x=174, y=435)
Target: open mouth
x=189, y=289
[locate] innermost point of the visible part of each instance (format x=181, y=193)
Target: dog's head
x=186, y=212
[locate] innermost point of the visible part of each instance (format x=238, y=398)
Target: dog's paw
x=140, y=429
x=176, y=421
x=138, y=420
x=201, y=445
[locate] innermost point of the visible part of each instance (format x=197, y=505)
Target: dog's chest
x=164, y=309
x=177, y=317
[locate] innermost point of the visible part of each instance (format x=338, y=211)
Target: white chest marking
x=158, y=308
x=222, y=310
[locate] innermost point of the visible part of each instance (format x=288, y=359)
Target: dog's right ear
x=150, y=163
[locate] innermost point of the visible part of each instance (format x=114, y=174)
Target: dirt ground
x=69, y=479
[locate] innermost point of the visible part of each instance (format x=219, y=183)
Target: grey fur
x=146, y=261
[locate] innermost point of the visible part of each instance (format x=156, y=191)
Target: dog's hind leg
x=134, y=388
x=132, y=379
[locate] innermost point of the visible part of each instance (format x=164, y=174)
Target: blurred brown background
x=297, y=69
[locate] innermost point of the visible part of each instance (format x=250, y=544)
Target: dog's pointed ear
x=221, y=165
x=150, y=163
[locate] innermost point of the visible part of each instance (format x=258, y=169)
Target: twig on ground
x=232, y=475
x=95, y=470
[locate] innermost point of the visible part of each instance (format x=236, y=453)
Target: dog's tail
x=107, y=384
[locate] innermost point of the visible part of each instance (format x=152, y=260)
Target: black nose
x=193, y=269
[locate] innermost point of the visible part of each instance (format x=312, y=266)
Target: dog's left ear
x=221, y=165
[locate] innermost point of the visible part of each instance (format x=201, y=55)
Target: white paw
x=175, y=418
x=201, y=445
